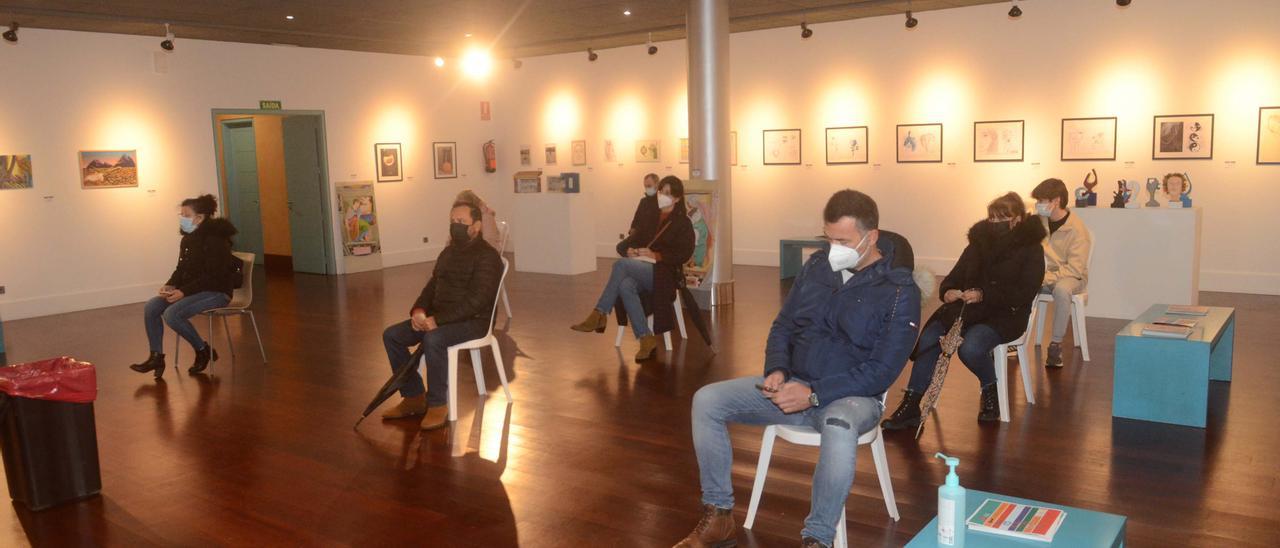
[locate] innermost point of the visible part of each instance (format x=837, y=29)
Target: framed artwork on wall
x=445, y=158
x=919, y=143
x=389, y=163
x=1088, y=139
x=733, y=148
x=1269, y=135
x=684, y=150
x=649, y=150
x=609, y=155
x=15, y=172
x=1182, y=137
x=847, y=145
x=578, y=151
x=525, y=155
x=549, y=154
x=359, y=220
x=781, y=147
x=108, y=168
x=999, y=141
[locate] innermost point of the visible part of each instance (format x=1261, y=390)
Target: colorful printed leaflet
x=1166, y=331
x=1170, y=320
x=1188, y=310
x=1017, y=520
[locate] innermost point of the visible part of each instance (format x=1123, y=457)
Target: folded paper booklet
x=1017, y=520
x=1166, y=331
x=1170, y=320
x=1187, y=310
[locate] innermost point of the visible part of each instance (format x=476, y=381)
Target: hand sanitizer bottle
x=951, y=509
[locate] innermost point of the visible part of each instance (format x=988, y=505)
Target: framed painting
x=525, y=156
x=781, y=147
x=999, y=141
x=445, y=158
x=549, y=154
x=578, y=153
x=1088, y=139
x=15, y=172
x=610, y=156
x=1269, y=135
x=919, y=143
x=389, y=162
x=108, y=168
x=649, y=150
x=1182, y=137
x=847, y=145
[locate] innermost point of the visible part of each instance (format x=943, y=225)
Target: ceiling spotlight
x=912, y=21
x=439, y=61
x=1015, y=12
x=592, y=55
x=805, y=31
x=1123, y=3
x=466, y=35
x=289, y=17
x=167, y=44
x=517, y=63
x=653, y=50
x=11, y=35
x=626, y=12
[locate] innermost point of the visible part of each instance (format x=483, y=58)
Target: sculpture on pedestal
x=1085, y=196
x=1120, y=196
x=1153, y=184
x=1177, y=189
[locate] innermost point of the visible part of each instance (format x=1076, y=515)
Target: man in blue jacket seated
x=842, y=337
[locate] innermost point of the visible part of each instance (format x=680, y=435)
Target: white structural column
x=708, y=39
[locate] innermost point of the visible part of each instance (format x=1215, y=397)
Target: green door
x=240, y=153
x=304, y=178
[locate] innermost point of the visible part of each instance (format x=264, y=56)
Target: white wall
x=68, y=91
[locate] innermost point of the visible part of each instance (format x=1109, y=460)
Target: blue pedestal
x=791, y=254
x=1167, y=380
x=1081, y=529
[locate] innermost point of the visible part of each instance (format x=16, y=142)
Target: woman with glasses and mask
x=994, y=283
x=203, y=280
x=652, y=264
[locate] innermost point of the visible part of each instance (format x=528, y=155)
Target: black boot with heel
x=989, y=404
x=154, y=362
x=203, y=357
x=908, y=413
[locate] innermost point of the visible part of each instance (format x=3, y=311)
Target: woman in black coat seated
x=655, y=254
x=203, y=280
x=995, y=282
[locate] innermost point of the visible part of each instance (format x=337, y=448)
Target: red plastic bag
x=58, y=379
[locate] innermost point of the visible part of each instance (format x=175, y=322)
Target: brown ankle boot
x=648, y=347
x=594, y=322
x=408, y=407
x=716, y=529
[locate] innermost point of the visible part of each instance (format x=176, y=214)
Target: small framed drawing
x=1088, y=139
x=389, y=165
x=525, y=155
x=781, y=147
x=847, y=145
x=999, y=141
x=445, y=158
x=108, y=168
x=578, y=151
x=684, y=150
x=733, y=148
x=919, y=143
x=1269, y=135
x=549, y=154
x=649, y=150
x=609, y=155
x=1182, y=137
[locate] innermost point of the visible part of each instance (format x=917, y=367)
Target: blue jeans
x=435, y=348
x=738, y=401
x=975, y=353
x=159, y=312
x=628, y=280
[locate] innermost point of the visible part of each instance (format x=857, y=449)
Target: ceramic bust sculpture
x=1119, y=197
x=1153, y=185
x=1173, y=185
x=1082, y=198
x=1085, y=196
x=1132, y=191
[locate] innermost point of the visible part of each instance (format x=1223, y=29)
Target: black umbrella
x=695, y=315
x=392, y=385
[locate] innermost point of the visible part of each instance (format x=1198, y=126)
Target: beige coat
x=1066, y=252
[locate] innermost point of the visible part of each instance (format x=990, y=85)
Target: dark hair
x=475, y=209
x=653, y=176
x=1007, y=207
x=1051, y=189
x=854, y=204
x=205, y=205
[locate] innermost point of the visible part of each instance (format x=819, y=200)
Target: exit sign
x=270, y=105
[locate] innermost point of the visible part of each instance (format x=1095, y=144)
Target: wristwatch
x=813, y=399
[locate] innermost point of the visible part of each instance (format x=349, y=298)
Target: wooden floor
x=595, y=450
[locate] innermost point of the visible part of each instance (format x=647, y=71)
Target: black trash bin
x=47, y=432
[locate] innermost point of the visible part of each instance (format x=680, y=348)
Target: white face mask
x=843, y=257
x=665, y=201
x=1044, y=210
x=650, y=190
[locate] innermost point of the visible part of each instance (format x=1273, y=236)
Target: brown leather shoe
x=648, y=347
x=408, y=407
x=595, y=322
x=437, y=417
x=716, y=529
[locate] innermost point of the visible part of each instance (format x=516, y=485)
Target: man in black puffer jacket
x=456, y=306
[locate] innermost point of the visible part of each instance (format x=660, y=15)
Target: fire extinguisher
x=490, y=157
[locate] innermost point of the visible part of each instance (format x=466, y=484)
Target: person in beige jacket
x=1066, y=256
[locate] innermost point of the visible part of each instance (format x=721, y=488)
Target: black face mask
x=458, y=234
x=1000, y=229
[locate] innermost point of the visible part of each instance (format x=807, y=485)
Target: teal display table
x=791, y=254
x=1082, y=528
x=1167, y=380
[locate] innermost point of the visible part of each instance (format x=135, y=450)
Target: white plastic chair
x=477, y=362
x=1001, y=355
x=1079, y=332
x=504, y=232
x=666, y=336
x=804, y=435
x=241, y=299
